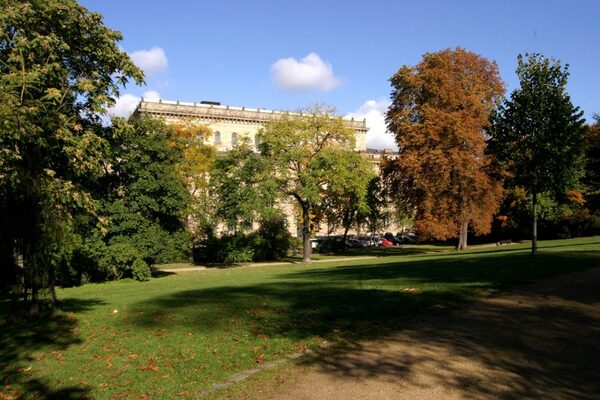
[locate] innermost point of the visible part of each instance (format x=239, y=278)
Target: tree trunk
x=347, y=227
x=534, y=232
x=462, y=239
x=307, y=248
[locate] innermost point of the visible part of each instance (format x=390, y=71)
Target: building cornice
x=211, y=113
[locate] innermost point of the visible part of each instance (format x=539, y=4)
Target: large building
x=230, y=124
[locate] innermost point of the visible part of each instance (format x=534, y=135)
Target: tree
x=592, y=170
x=438, y=113
x=342, y=205
x=308, y=154
x=242, y=188
x=195, y=167
x=146, y=200
x=377, y=211
x=538, y=135
x=60, y=68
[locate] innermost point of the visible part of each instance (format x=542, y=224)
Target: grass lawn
x=175, y=336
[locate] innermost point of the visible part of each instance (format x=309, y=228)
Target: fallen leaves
x=150, y=366
x=58, y=356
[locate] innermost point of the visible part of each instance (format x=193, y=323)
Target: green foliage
x=242, y=188
x=60, y=68
x=376, y=215
x=275, y=239
x=310, y=155
x=538, y=135
x=122, y=260
x=592, y=170
x=271, y=241
x=146, y=198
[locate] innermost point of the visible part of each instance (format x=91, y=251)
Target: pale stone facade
x=230, y=124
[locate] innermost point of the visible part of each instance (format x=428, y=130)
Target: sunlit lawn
x=175, y=336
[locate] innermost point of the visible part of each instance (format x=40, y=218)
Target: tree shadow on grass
x=362, y=302
x=539, y=342
x=47, y=335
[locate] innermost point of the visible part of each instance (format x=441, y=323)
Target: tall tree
x=242, y=188
x=592, y=170
x=195, y=167
x=342, y=205
x=60, y=67
x=147, y=200
x=309, y=153
x=537, y=134
x=438, y=113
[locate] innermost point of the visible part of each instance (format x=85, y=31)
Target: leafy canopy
x=312, y=155
x=60, y=67
x=439, y=109
x=537, y=134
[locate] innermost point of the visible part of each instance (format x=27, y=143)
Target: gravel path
x=265, y=264
x=541, y=341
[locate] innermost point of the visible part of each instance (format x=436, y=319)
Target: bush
x=274, y=241
x=122, y=260
x=271, y=242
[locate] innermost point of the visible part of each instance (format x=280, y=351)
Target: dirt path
x=541, y=341
x=264, y=264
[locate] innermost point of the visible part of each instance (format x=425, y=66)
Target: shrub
x=122, y=260
x=275, y=240
x=271, y=242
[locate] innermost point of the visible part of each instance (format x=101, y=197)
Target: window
x=256, y=141
x=217, y=137
x=234, y=139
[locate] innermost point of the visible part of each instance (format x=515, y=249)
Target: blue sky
x=284, y=54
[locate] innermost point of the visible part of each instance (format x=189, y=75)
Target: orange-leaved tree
x=439, y=110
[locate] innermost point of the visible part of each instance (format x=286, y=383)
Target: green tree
x=308, y=154
x=342, y=205
x=242, y=188
x=60, y=68
x=147, y=200
x=592, y=169
x=376, y=214
x=538, y=135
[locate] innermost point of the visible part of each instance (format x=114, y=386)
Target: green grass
x=175, y=336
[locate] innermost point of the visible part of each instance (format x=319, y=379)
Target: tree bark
x=462, y=239
x=534, y=232
x=307, y=248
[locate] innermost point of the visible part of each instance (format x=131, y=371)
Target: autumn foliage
x=438, y=113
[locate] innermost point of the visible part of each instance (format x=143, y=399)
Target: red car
x=385, y=243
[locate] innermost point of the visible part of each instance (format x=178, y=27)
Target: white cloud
x=150, y=61
x=311, y=72
x=374, y=111
x=151, y=95
x=125, y=104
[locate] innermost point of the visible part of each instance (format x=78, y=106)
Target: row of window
x=234, y=139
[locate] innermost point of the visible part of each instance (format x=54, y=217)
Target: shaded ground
x=541, y=341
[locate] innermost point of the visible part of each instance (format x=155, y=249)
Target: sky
x=285, y=55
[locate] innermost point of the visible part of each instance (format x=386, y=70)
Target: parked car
x=355, y=244
x=385, y=243
x=407, y=238
x=390, y=236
